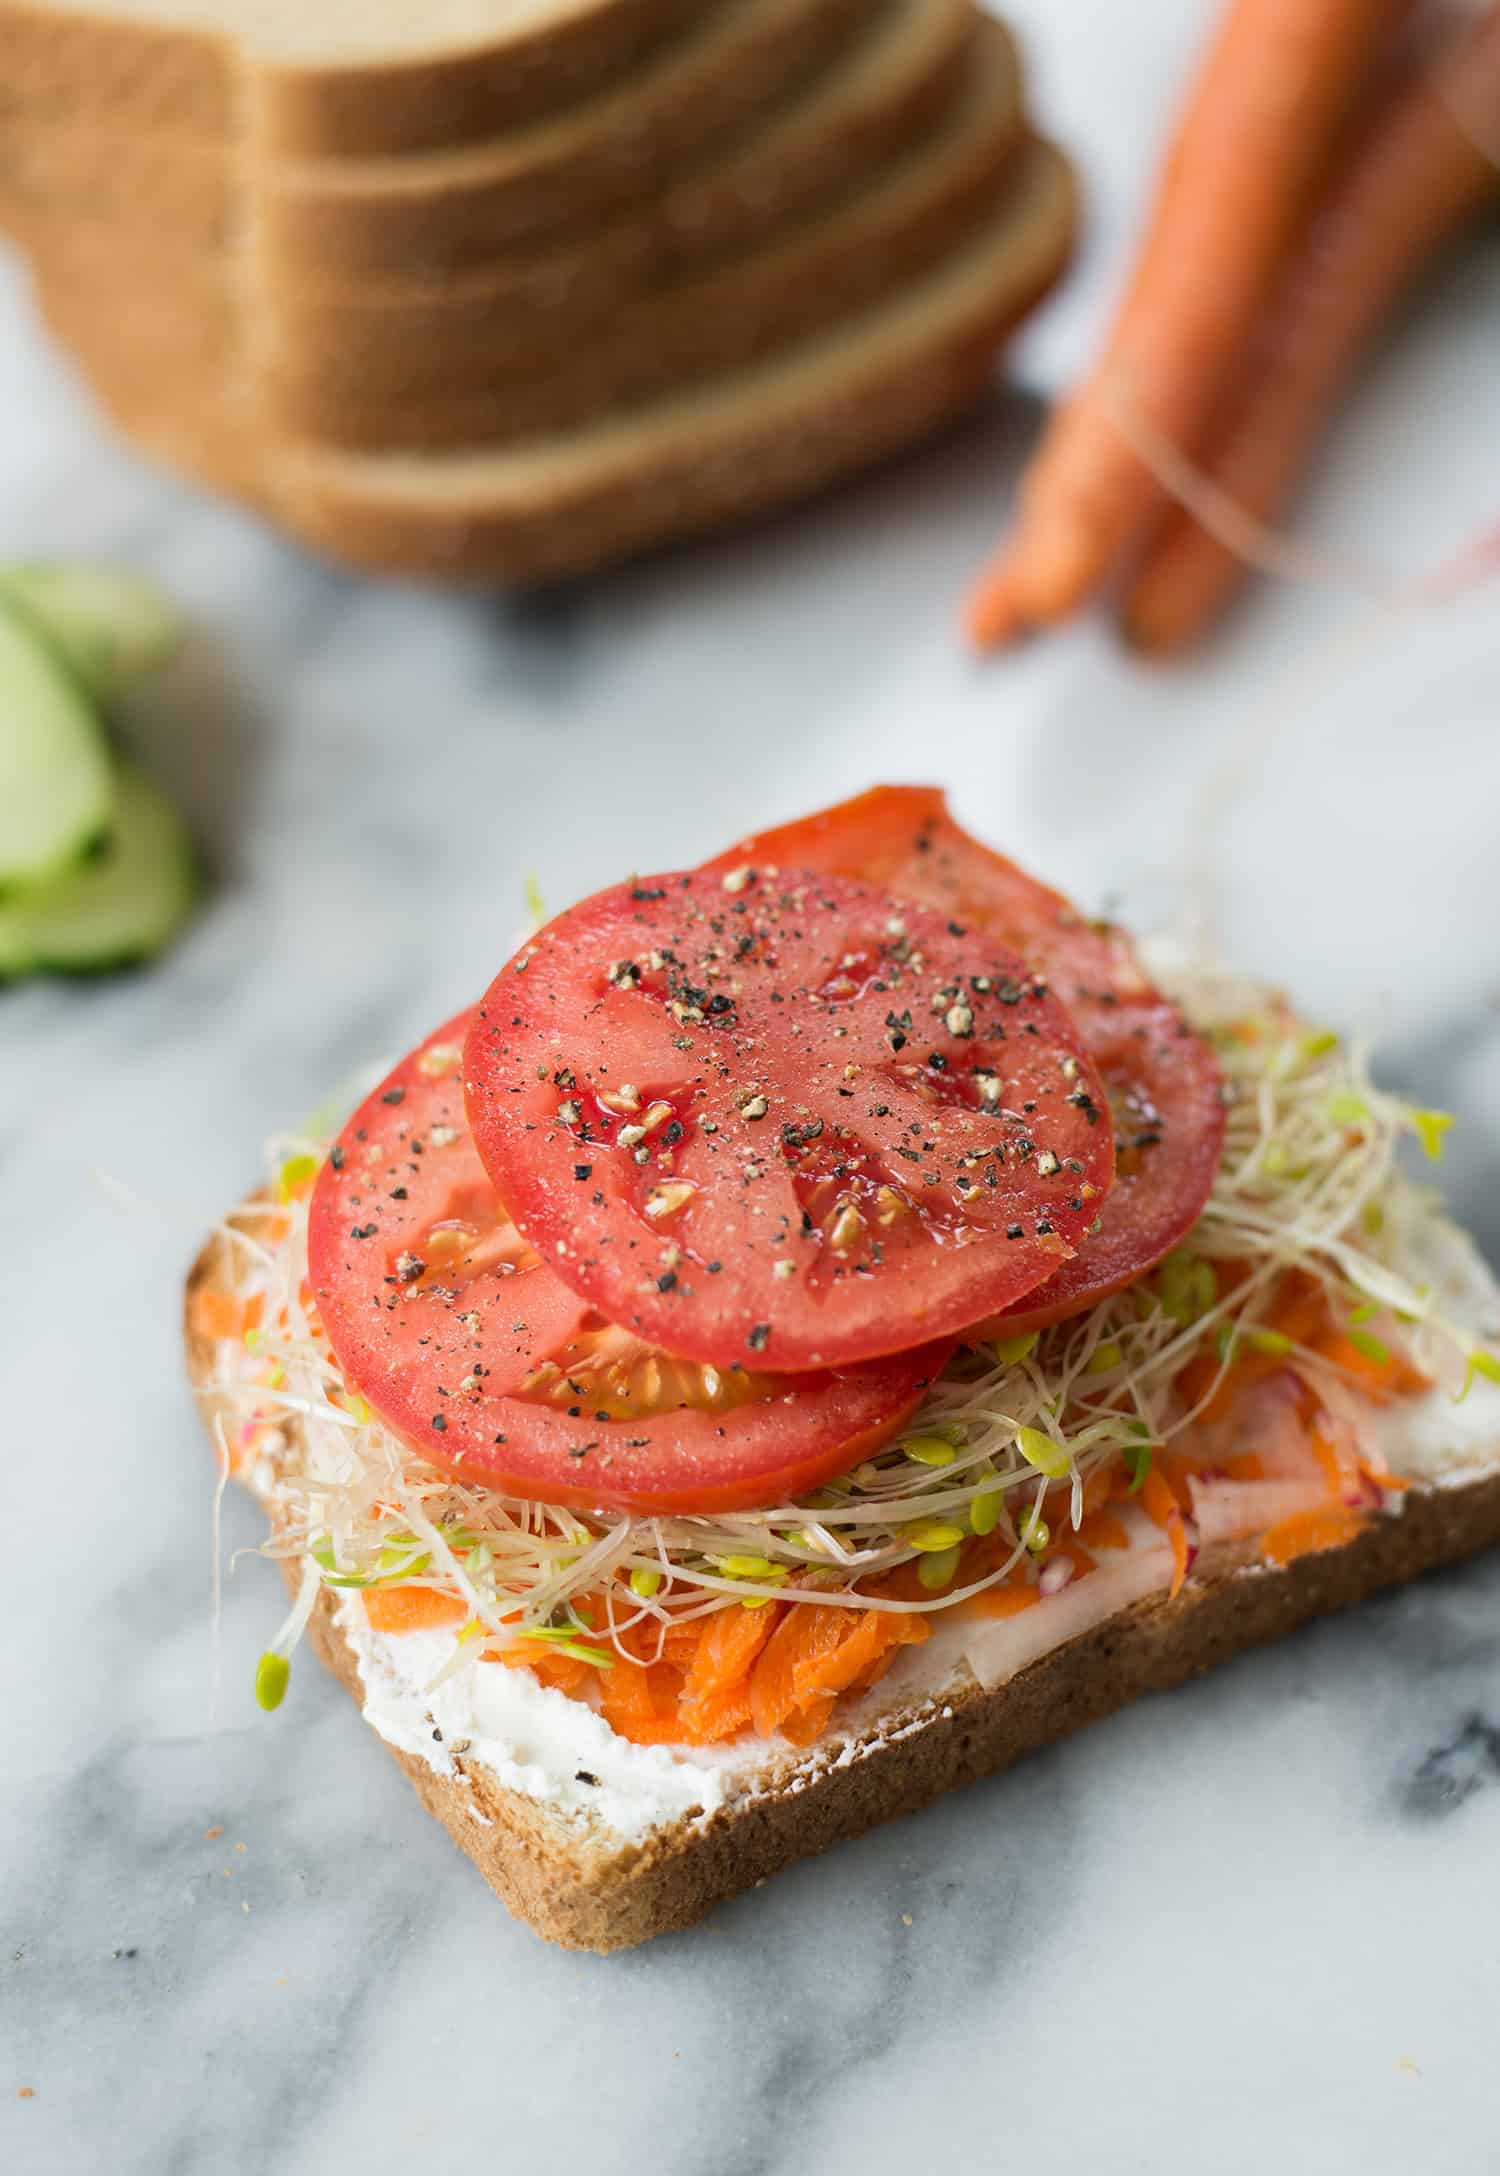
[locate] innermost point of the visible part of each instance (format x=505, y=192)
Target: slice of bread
x=71, y=200
x=356, y=218
x=341, y=78
x=590, y=1883
x=115, y=191
x=530, y=376
x=690, y=462
x=734, y=446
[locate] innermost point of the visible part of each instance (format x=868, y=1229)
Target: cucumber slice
x=117, y=909
x=56, y=780
x=113, y=629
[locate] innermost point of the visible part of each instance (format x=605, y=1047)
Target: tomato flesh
x=447, y=1321
x=1162, y=1081
x=786, y=1126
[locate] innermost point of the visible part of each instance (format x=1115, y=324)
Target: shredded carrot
x=411, y=1609
x=720, y=1714
x=817, y=1652
x=716, y=1692
x=1162, y=1508
x=1251, y=143
x=1416, y=177
x=567, y=1673
x=1103, y=1530
x=1299, y=1313
x=1006, y=1600
x=1378, y=1379
x=640, y=1703
x=1329, y=1527
x=1096, y=1489
x=220, y=1314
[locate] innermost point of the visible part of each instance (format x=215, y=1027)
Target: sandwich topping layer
x=1272, y=1387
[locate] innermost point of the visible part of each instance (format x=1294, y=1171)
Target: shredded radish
x=999, y=1648
x=1238, y=1510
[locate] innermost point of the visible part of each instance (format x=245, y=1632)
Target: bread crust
x=583, y=1893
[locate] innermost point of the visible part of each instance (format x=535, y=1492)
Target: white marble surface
x=1251, y=1926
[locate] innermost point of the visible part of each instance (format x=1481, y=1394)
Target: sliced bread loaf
x=353, y=78
x=118, y=209
x=690, y=463
x=317, y=219
x=527, y=375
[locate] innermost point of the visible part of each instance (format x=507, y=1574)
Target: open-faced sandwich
x=823, y=1324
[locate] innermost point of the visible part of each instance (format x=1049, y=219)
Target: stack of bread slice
x=501, y=289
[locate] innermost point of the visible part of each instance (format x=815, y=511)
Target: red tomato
x=446, y=1321
x=1162, y=1082
x=792, y=1125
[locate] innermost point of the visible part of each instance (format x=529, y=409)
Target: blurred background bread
x=534, y=286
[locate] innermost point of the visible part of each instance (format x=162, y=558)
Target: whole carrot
x=1259, y=127
x=1420, y=171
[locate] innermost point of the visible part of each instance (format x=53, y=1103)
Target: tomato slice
x=790, y=1125
x=444, y=1318
x=1162, y=1081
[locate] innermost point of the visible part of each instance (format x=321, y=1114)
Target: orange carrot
x=1103, y=1530
x=220, y=1314
x=1162, y=1508
x=817, y=1652
x=720, y=1714
x=1299, y=1313
x=567, y=1673
x=411, y=1609
x=1378, y=1378
x=1417, y=176
x=716, y=1691
x=640, y=1703
x=1329, y=1527
x=1006, y=1600
x=1251, y=145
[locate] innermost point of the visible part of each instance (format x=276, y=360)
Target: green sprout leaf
x=938, y=1570
x=1137, y=1457
x=930, y=1537
x=1429, y=1128
x=271, y=1675
x=930, y=1450
x=1478, y=1363
x=1044, y=1452
x=1318, y=1043
x=984, y=1511
x=296, y=1173
x=1009, y=1351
